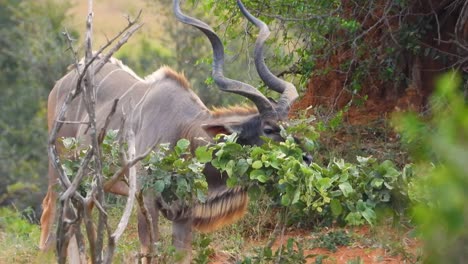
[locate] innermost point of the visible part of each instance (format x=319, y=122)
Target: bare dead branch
x=113, y=239
x=294, y=69
x=119, y=44
x=305, y=17
x=127, y=32
x=387, y=9
x=120, y=173
x=102, y=134
x=149, y=222
x=436, y=17
x=84, y=164
x=73, y=122
x=462, y=23
x=70, y=41
x=79, y=176
x=65, y=229
x=81, y=244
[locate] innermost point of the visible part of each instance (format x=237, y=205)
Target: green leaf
x=182, y=186
x=257, y=164
x=262, y=178
x=159, y=186
x=285, y=200
x=230, y=168
x=369, y=215
x=377, y=183
x=68, y=170
x=297, y=195
x=231, y=182
x=110, y=137
x=205, y=242
x=354, y=218
x=364, y=160
x=324, y=183
x=254, y=192
x=196, y=167
x=203, y=154
x=182, y=146
x=242, y=167
x=361, y=205
x=309, y=145
x=201, y=196
x=255, y=174
x=69, y=142
x=179, y=163
x=346, y=188
x=336, y=207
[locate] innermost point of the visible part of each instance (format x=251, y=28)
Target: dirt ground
x=367, y=247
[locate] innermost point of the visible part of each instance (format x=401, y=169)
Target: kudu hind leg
x=49, y=209
x=48, y=219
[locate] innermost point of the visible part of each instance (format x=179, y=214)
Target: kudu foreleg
x=181, y=216
x=148, y=218
x=182, y=239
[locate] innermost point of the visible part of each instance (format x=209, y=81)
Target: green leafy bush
x=333, y=240
x=76, y=152
x=13, y=223
x=18, y=238
x=341, y=191
x=292, y=252
x=175, y=173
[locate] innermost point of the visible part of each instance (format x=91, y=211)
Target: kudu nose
x=307, y=158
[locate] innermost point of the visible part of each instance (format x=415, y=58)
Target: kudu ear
x=216, y=129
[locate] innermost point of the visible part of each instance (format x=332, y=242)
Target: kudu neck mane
x=163, y=72
x=235, y=110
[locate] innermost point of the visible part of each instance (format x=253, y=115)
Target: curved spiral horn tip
x=243, y=9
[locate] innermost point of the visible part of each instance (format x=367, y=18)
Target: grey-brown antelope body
x=164, y=109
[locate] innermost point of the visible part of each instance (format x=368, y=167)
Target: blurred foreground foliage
x=439, y=146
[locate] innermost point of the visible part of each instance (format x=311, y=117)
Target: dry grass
x=382, y=244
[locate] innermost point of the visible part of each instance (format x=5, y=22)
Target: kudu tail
x=221, y=208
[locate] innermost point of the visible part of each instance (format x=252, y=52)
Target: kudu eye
x=268, y=130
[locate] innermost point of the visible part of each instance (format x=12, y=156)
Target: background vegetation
x=354, y=62
x=31, y=58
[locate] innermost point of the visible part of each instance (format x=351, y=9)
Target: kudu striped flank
x=164, y=109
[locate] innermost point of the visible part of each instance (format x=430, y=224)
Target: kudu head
x=267, y=122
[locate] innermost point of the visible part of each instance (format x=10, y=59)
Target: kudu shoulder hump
x=167, y=72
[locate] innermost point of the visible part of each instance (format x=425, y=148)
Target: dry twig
x=75, y=209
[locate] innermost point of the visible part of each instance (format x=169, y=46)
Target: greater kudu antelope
x=164, y=109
